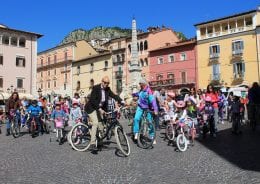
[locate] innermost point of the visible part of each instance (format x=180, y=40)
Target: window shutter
x=210, y=50
x=242, y=45
x=218, y=49
x=214, y=70
x=23, y=62
x=243, y=67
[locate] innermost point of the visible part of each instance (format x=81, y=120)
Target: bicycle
x=45, y=122
x=144, y=139
x=15, y=124
x=80, y=135
x=170, y=130
x=59, y=124
x=33, y=125
x=77, y=121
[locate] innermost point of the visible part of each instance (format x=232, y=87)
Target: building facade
x=174, y=66
x=18, y=55
x=54, y=67
x=91, y=70
x=227, y=50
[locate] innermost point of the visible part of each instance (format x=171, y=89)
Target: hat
x=142, y=81
x=75, y=102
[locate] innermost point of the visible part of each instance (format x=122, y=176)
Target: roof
x=93, y=56
x=3, y=27
x=178, y=44
x=56, y=47
x=227, y=17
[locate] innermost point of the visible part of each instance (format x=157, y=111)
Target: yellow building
x=91, y=69
x=227, y=50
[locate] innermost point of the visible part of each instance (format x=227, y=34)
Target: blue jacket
x=34, y=110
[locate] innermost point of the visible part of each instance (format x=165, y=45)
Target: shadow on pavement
x=241, y=150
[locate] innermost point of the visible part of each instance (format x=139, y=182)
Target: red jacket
x=214, y=99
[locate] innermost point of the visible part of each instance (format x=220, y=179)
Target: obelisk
x=134, y=69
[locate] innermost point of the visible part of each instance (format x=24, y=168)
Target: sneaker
x=136, y=136
x=54, y=130
x=154, y=142
x=93, y=147
x=222, y=122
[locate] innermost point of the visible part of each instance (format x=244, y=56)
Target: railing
x=63, y=69
x=176, y=81
x=215, y=77
x=118, y=60
x=214, y=55
x=52, y=62
x=237, y=52
x=238, y=76
x=20, y=90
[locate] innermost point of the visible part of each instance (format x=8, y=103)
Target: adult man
x=97, y=105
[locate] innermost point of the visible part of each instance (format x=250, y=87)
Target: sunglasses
x=105, y=82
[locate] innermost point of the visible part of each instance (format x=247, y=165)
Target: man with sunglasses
x=97, y=105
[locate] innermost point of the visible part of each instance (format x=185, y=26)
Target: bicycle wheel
x=69, y=137
x=122, y=141
x=15, y=128
x=182, y=142
x=144, y=139
x=80, y=137
x=170, y=132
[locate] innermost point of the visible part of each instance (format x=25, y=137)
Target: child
x=181, y=111
x=236, y=109
x=170, y=103
x=35, y=111
x=75, y=112
x=57, y=113
x=208, y=110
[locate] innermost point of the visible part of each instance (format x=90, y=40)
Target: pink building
x=18, y=58
x=174, y=66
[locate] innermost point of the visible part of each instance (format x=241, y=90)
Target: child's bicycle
x=79, y=120
x=170, y=129
x=15, y=124
x=60, y=135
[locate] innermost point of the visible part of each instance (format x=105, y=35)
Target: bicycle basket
x=59, y=123
x=167, y=117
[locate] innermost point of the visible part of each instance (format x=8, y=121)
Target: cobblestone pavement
x=226, y=159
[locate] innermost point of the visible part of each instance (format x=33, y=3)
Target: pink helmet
x=171, y=94
x=208, y=99
x=181, y=103
x=75, y=102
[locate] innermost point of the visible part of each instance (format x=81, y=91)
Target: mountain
x=96, y=33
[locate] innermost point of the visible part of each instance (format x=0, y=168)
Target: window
x=183, y=56
x=49, y=72
x=54, y=71
x=14, y=41
x=106, y=64
x=214, y=51
x=78, y=85
x=20, y=61
x=239, y=69
x=215, y=72
x=137, y=46
x=41, y=74
x=5, y=40
x=78, y=70
x=22, y=42
x=41, y=62
x=41, y=85
x=65, y=56
x=146, y=61
x=19, y=83
x=54, y=83
x=1, y=59
x=145, y=45
x=141, y=46
x=159, y=76
x=66, y=77
x=171, y=58
x=55, y=58
x=49, y=60
x=91, y=67
x=170, y=76
x=142, y=63
x=64, y=87
x=159, y=60
x=237, y=47
x=129, y=48
x=1, y=82
x=249, y=21
x=183, y=77
x=49, y=84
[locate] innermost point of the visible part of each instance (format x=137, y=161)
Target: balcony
x=64, y=70
x=238, y=76
x=213, y=57
x=172, y=82
x=237, y=52
x=215, y=77
x=53, y=63
x=119, y=74
x=20, y=90
x=118, y=61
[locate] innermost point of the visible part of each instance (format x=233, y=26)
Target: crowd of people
x=211, y=101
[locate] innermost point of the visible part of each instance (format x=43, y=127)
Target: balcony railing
x=237, y=52
x=20, y=90
x=64, y=70
x=238, y=76
x=215, y=77
x=214, y=55
x=169, y=82
x=52, y=62
x=118, y=60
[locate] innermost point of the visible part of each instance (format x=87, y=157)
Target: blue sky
x=55, y=19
